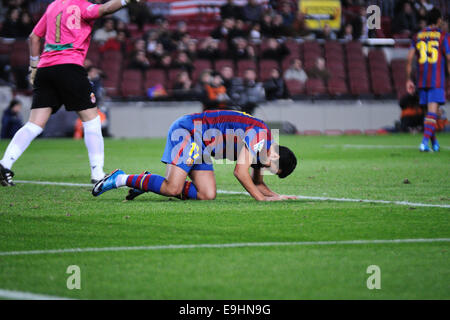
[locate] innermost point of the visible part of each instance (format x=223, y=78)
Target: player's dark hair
x=287, y=162
x=433, y=16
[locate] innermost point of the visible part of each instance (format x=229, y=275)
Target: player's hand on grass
x=284, y=197
x=280, y=198
x=410, y=87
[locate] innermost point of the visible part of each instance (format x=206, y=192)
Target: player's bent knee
x=208, y=195
x=173, y=190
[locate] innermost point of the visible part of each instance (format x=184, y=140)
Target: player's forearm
x=247, y=182
x=35, y=45
x=265, y=190
x=112, y=6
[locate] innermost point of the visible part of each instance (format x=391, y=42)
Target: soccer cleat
x=133, y=193
x=107, y=183
x=424, y=148
x=6, y=176
x=436, y=147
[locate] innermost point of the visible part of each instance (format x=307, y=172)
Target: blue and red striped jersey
x=432, y=46
x=220, y=129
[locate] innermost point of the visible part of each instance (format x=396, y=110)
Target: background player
x=431, y=48
x=58, y=78
x=188, y=148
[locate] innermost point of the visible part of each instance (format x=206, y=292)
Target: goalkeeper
x=58, y=78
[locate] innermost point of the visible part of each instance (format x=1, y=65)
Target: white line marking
x=374, y=146
x=19, y=295
x=221, y=245
x=400, y=203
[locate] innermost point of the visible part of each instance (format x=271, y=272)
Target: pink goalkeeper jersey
x=67, y=26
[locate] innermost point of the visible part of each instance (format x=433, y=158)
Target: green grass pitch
x=43, y=217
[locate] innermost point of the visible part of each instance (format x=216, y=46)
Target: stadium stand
x=355, y=70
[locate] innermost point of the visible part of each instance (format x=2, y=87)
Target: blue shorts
x=184, y=150
x=427, y=95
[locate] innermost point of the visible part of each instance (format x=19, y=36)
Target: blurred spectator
x=183, y=81
x=209, y=49
x=240, y=49
x=278, y=28
x=299, y=28
x=165, y=62
x=275, y=87
x=223, y=31
x=230, y=10
x=255, y=32
x=139, y=13
x=203, y=80
x=182, y=61
x=405, y=21
x=239, y=30
x=183, y=87
x=252, y=92
x=106, y=32
x=411, y=119
x=139, y=61
x=327, y=33
x=158, y=52
x=180, y=31
x=121, y=26
x=95, y=77
x=275, y=50
x=296, y=72
x=164, y=35
x=215, y=94
x=191, y=49
x=253, y=11
x=11, y=120
x=319, y=71
x=232, y=84
x=118, y=43
x=26, y=25
x=287, y=13
x=347, y=33
x=360, y=29
x=266, y=25
x=11, y=26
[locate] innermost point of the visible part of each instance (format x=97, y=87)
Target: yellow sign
x=318, y=13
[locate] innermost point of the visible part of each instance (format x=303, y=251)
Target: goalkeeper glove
x=127, y=2
x=32, y=69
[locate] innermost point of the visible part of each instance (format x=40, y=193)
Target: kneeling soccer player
x=192, y=141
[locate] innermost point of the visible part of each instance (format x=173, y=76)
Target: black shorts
x=63, y=84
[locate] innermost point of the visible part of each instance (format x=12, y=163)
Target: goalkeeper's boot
x=107, y=183
x=424, y=148
x=133, y=193
x=436, y=147
x=6, y=176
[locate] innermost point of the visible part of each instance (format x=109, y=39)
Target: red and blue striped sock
x=189, y=191
x=145, y=182
x=429, y=127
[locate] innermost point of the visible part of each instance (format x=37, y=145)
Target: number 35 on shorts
x=194, y=153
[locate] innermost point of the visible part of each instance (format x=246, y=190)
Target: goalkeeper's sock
x=93, y=139
x=429, y=127
x=20, y=143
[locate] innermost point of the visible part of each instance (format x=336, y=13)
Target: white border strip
x=220, y=245
x=374, y=146
x=400, y=203
x=20, y=295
